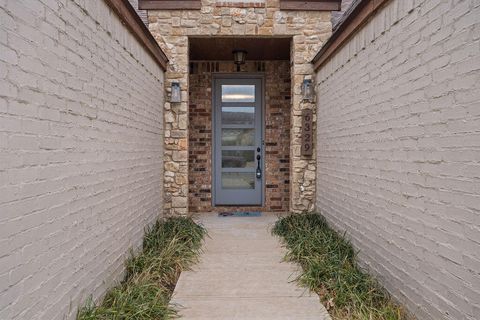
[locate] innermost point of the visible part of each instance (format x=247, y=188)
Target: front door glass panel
x=238, y=93
x=238, y=159
x=238, y=116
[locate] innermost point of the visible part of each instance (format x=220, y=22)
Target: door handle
x=258, y=172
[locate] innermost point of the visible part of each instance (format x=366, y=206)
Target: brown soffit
x=132, y=21
x=361, y=11
x=169, y=4
x=258, y=49
x=311, y=5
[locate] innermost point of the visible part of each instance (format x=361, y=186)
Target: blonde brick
x=81, y=163
x=397, y=163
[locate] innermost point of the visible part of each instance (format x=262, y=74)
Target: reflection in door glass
x=238, y=159
x=238, y=180
x=238, y=115
x=238, y=93
x=238, y=137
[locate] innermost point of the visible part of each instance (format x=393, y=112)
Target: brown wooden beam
x=169, y=4
x=311, y=5
x=349, y=27
x=134, y=24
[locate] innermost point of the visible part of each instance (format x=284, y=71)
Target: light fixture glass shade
x=239, y=56
x=307, y=90
x=176, y=95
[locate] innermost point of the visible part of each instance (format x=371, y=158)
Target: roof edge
x=311, y=5
x=302, y=5
x=129, y=17
x=170, y=4
x=355, y=17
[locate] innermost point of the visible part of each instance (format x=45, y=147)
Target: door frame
x=244, y=75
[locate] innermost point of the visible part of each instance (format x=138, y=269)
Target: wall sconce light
x=176, y=94
x=307, y=90
x=239, y=57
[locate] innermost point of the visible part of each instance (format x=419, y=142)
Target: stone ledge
x=241, y=4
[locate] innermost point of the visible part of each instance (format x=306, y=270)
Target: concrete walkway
x=241, y=276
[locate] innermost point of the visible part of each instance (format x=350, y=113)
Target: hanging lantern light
x=239, y=57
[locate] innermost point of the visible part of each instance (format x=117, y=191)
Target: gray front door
x=238, y=135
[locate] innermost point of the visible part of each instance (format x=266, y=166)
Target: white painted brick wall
x=81, y=145
x=399, y=152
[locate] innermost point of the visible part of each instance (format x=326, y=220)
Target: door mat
x=240, y=214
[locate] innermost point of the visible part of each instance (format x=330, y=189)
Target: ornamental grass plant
x=330, y=269
x=169, y=247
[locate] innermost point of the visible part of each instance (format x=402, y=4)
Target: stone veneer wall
x=277, y=133
x=172, y=28
x=399, y=152
x=81, y=145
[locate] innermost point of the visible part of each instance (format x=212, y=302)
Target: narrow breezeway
x=241, y=275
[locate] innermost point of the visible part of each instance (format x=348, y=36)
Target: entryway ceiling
x=221, y=48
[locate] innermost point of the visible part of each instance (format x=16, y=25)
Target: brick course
x=277, y=133
x=81, y=143
x=399, y=151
